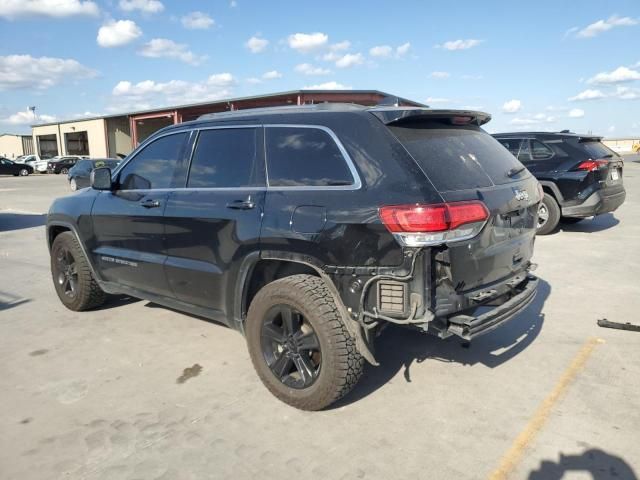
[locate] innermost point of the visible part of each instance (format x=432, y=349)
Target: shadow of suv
x=308, y=229
x=581, y=177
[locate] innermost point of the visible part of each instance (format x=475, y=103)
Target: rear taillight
x=592, y=165
x=421, y=225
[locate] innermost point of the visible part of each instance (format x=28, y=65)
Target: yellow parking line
x=513, y=456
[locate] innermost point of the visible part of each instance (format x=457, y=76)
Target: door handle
x=241, y=205
x=150, y=203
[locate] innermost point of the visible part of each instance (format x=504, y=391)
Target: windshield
x=459, y=158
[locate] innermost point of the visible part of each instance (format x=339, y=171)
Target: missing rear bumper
x=469, y=327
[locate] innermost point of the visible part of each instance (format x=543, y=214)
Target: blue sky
x=544, y=65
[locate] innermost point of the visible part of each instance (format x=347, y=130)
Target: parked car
x=62, y=164
x=79, y=174
x=28, y=160
x=581, y=177
x=8, y=167
x=308, y=229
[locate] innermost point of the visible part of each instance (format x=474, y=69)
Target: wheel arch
x=553, y=190
x=292, y=264
x=55, y=228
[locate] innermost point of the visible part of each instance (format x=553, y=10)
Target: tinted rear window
x=597, y=150
x=457, y=158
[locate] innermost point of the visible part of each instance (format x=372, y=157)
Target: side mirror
x=101, y=179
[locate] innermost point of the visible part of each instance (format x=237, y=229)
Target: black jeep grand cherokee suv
x=581, y=177
x=307, y=229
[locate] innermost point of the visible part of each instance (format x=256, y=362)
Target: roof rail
x=316, y=107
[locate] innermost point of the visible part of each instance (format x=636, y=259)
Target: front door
x=213, y=223
x=128, y=222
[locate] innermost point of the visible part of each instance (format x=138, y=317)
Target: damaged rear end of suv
x=308, y=229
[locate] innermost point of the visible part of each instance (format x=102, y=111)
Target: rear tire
x=571, y=220
x=24, y=172
x=335, y=364
x=548, y=215
x=72, y=277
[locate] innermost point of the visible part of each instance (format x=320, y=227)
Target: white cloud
x=197, y=21
x=333, y=85
x=512, y=106
x=146, y=6
x=403, y=49
x=381, y=51
x=307, y=42
x=602, y=26
x=256, y=44
x=340, y=46
x=588, y=94
x=27, y=72
x=440, y=75
x=254, y=81
x=221, y=80
x=273, y=74
x=233, y=4
x=626, y=93
x=118, y=33
x=165, y=48
x=576, y=113
x=611, y=129
x=431, y=100
x=149, y=93
x=350, y=60
x=47, y=8
x=619, y=75
x=538, y=119
x=27, y=118
x=471, y=77
x=308, y=69
x=385, y=51
x=460, y=44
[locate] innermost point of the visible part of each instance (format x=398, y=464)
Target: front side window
x=155, y=165
x=304, y=157
x=539, y=151
x=225, y=157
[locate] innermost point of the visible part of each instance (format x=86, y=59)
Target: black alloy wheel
x=291, y=347
x=66, y=273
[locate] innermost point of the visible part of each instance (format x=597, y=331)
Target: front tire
x=73, y=185
x=71, y=273
x=299, y=344
x=64, y=171
x=548, y=215
x=24, y=172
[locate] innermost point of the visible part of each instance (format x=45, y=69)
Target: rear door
x=465, y=163
x=214, y=222
x=128, y=244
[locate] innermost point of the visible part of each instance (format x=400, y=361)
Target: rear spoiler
x=398, y=115
x=589, y=138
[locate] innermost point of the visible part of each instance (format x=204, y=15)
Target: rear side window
x=155, y=165
x=304, y=157
x=457, y=158
x=539, y=151
x=511, y=144
x=224, y=158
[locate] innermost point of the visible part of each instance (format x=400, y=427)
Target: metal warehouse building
x=112, y=135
